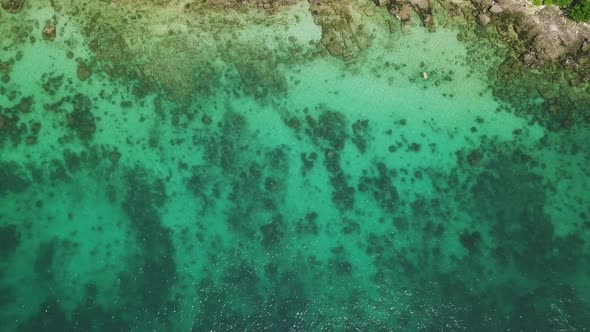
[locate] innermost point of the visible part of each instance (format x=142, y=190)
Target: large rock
x=342, y=35
x=545, y=32
x=402, y=9
x=495, y=9
x=9, y=240
x=83, y=72
x=483, y=19
x=12, y=178
x=12, y=6
x=49, y=32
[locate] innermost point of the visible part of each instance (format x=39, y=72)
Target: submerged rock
x=49, y=32
x=495, y=9
x=402, y=9
x=83, y=122
x=12, y=178
x=13, y=6
x=83, y=72
x=9, y=240
x=342, y=35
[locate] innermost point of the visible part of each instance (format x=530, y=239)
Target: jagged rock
x=482, y=3
x=483, y=19
x=530, y=59
x=495, y=9
x=13, y=6
x=83, y=72
x=545, y=31
x=49, y=32
x=272, y=6
x=189, y=7
x=402, y=9
x=342, y=36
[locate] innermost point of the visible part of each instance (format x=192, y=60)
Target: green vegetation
x=577, y=10
x=581, y=11
x=560, y=3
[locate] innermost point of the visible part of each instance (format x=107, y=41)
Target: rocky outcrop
x=342, y=36
x=271, y=6
x=545, y=35
x=402, y=9
x=49, y=32
x=12, y=6
x=550, y=34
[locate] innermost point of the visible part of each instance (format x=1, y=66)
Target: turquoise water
x=208, y=175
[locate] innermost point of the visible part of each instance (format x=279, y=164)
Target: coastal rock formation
x=550, y=34
x=544, y=33
x=132, y=40
x=49, y=32
x=83, y=72
x=342, y=36
x=13, y=6
x=271, y=6
x=402, y=9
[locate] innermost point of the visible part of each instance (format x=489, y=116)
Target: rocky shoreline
x=548, y=57
x=543, y=31
x=548, y=34
x=131, y=40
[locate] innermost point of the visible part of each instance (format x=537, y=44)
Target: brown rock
x=206, y=119
x=483, y=19
x=485, y=3
x=495, y=9
x=474, y=158
x=83, y=72
x=342, y=36
x=25, y=105
x=12, y=6
x=49, y=32
x=403, y=11
x=189, y=7
x=530, y=59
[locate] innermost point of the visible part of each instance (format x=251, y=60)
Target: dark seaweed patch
x=156, y=270
x=12, y=178
x=9, y=240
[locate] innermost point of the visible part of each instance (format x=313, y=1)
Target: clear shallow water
x=286, y=194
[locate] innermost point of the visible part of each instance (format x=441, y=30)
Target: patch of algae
x=342, y=33
x=187, y=47
x=192, y=47
x=184, y=49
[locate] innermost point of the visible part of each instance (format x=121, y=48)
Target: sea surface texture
x=284, y=166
